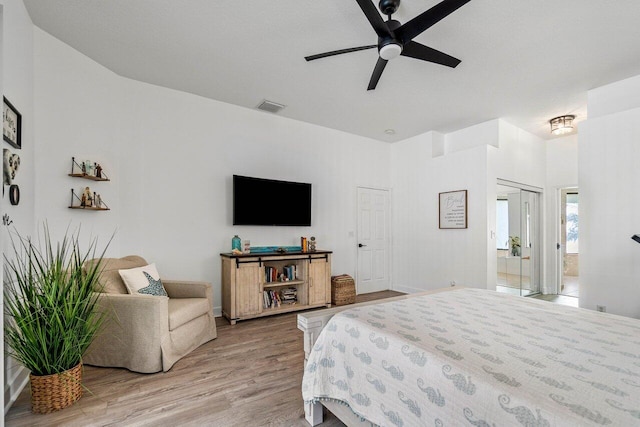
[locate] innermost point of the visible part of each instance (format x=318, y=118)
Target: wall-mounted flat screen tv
x=258, y=201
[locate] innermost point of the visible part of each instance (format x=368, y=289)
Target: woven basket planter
x=51, y=393
x=343, y=290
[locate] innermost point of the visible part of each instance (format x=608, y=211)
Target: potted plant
x=50, y=308
x=514, y=242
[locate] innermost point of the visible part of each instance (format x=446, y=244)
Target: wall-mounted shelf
x=81, y=171
x=87, y=199
x=90, y=208
x=92, y=205
x=91, y=177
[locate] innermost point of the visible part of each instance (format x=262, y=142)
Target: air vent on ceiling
x=272, y=107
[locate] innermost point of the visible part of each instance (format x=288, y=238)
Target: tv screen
x=258, y=201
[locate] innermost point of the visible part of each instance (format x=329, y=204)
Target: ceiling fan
x=396, y=39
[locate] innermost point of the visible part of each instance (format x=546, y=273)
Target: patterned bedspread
x=478, y=357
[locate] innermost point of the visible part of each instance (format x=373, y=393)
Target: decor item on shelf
x=562, y=124
x=236, y=243
x=304, y=244
x=11, y=164
x=54, y=317
x=88, y=170
x=11, y=125
x=312, y=244
x=88, y=167
x=87, y=200
x=246, y=246
x=87, y=197
x=514, y=243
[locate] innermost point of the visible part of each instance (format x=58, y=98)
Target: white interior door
x=373, y=240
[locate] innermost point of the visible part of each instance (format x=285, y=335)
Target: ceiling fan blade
x=426, y=19
x=338, y=52
x=374, y=18
x=377, y=72
x=426, y=53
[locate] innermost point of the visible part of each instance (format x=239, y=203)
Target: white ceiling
x=524, y=61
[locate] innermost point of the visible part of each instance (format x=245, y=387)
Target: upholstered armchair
x=147, y=333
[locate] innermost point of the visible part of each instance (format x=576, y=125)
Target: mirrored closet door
x=518, y=240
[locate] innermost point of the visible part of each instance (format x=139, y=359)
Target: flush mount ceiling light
x=561, y=125
x=390, y=131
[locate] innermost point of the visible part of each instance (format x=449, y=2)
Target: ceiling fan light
x=562, y=124
x=390, y=51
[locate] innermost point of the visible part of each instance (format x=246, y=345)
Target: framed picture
x=11, y=124
x=453, y=209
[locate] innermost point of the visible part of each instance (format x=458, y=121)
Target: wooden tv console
x=246, y=280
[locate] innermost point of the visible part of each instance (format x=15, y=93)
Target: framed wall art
x=453, y=209
x=11, y=124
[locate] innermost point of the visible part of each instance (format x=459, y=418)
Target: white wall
x=17, y=87
x=609, y=203
x=171, y=156
x=426, y=257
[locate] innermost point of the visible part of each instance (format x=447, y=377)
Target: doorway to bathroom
x=569, y=247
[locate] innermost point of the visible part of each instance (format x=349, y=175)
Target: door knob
x=360, y=245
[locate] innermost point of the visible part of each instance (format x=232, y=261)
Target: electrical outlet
x=601, y=308
x=452, y=283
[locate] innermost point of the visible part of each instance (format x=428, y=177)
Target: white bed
x=471, y=357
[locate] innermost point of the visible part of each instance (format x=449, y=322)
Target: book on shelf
x=276, y=298
x=272, y=274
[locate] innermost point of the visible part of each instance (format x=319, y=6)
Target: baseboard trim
x=13, y=389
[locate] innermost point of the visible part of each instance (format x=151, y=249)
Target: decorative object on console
x=236, y=243
x=246, y=246
x=143, y=280
x=312, y=244
x=11, y=164
x=11, y=125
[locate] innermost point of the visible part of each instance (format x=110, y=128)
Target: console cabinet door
x=319, y=281
x=248, y=294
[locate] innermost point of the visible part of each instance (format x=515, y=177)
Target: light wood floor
x=249, y=376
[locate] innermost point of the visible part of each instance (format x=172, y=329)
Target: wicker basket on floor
x=51, y=393
x=343, y=290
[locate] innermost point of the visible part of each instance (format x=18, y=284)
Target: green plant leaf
x=50, y=303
